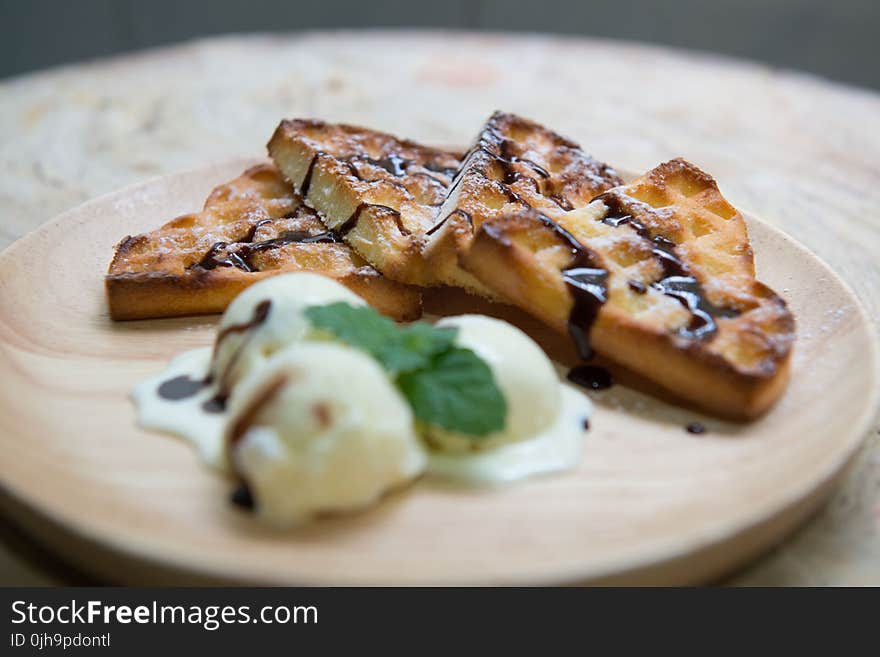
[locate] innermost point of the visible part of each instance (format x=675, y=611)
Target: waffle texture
x=251, y=228
x=380, y=194
x=515, y=164
x=659, y=276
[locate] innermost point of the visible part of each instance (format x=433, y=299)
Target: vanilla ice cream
x=267, y=317
x=320, y=428
x=522, y=371
x=312, y=425
x=544, y=428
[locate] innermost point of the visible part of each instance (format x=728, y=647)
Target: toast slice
x=251, y=228
x=378, y=192
x=515, y=164
x=657, y=275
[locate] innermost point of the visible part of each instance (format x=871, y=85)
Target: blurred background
x=836, y=39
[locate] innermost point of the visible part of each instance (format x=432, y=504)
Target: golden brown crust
x=251, y=228
x=379, y=192
x=667, y=240
x=514, y=164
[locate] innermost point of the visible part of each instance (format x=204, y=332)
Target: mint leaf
x=427, y=340
x=359, y=326
x=457, y=392
x=397, y=349
x=447, y=386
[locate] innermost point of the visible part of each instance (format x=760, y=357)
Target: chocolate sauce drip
x=536, y=187
x=307, y=181
x=614, y=205
x=637, y=286
x=587, y=284
x=459, y=177
x=252, y=233
x=241, y=255
x=287, y=237
x=663, y=244
x=534, y=166
x=618, y=216
x=217, y=257
x=353, y=169
x=617, y=221
x=677, y=281
x=513, y=197
x=449, y=172
x=696, y=428
x=243, y=498
x=507, y=158
x=398, y=167
x=664, y=251
x=439, y=184
x=180, y=387
x=216, y=404
x=439, y=224
x=246, y=417
x=562, y=202
x=349, y=224
x=591, y=376
x=687, y=291
x=505, y=146
x=392, y=163
x=304, y=237
x=260, y=314
x=588, y=288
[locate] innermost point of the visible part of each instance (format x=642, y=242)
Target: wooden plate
x=649, y=504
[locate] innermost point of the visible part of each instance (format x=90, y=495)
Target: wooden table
x=801, y=152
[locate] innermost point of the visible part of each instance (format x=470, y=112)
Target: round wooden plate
x=650, y=503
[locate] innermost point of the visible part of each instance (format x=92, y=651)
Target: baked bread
x=380, y=194
x=515, y=164
x=657, y=275
x=250, y=228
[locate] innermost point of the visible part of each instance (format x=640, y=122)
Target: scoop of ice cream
x=320, y=428
x=522, y=371
x=267, y=317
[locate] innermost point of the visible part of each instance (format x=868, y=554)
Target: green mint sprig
x=446, y=385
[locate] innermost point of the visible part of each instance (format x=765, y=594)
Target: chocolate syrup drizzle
x=458, y=211
x=219, y=255
x=394, y=164
x=348, y=225
x=307, y=180
x=591, y=376
x=241, y=255
x=184, y=387
x=259, y=316
x=242, y=497
x=587, y=285
x=677, y=281
x=399, y=166
x=180, y=387
x=505, y=159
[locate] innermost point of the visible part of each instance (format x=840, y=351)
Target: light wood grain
x=799, y=151
x=650, y=502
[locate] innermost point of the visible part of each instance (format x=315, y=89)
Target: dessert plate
x=649, y=504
